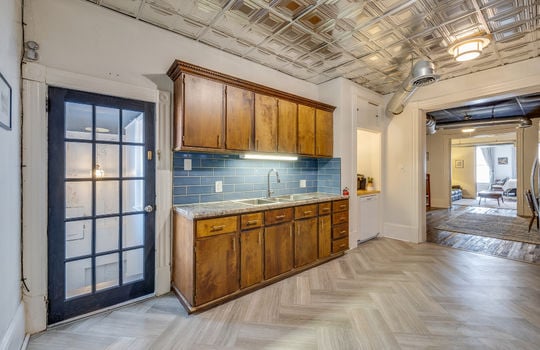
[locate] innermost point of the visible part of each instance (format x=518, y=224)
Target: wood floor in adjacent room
x=515, y=250
x=385, y=294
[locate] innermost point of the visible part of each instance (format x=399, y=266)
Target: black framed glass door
x=101, y=198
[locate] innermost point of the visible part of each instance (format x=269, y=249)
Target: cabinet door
x=324, y=137
x=325, y=236
x=203, y=113
x=239, y=118
x=278, y=250
x=287, y=123
x=251, y=257
x=216, y=267
x=305, y=242
x=265, y=123
x=306, y=130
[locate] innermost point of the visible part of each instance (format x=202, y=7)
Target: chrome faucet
x=269, y=192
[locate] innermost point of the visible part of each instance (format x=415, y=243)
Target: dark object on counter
x=360, y=182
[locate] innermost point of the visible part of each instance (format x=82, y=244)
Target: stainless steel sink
x=295, y=197
x=256, y=201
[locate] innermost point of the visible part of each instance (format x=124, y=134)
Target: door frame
x=36, y=80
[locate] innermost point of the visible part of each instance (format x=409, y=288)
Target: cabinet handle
x=325, y=210
x=290, y=232
x=252, y=222
x=257, y=146
x=260, y=236
x=218, y=228
x=342, y=245
x=342, y=232
x=280, y=217
x=233, y=245
x=342, y=206
x=218, y=140
x=307, y=212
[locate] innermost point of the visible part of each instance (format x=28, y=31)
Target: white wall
x=466, y=176
x=505, y=170
x=11, y=315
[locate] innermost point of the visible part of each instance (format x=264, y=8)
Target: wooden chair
x=530, y=202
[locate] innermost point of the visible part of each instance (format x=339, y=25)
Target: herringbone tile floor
x=385, y=294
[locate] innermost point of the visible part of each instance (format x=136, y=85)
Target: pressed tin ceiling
x=371, y=43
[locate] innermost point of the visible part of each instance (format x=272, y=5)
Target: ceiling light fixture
x=267, y=157
x=468, y=49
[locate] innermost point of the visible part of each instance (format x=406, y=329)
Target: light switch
x=219, y=186
x=187, y=164
x=302, y=183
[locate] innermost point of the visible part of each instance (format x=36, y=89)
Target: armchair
x=498, y=184
x=510, y=187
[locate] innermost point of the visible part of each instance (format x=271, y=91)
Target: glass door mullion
x=94, y=188
x=121, y=200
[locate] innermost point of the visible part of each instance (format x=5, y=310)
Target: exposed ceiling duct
x=422, y=74
x=522, y=122
x=431, y=125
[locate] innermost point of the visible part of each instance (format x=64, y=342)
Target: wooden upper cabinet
x=287, y=126
x=324, y=133
x=216, y=111
x=202, y=113
x=266, y=113
x=239, y=119
x=306, y=130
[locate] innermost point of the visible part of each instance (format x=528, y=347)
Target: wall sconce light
x=98, y=172
x=30, y=50
x=469, y=49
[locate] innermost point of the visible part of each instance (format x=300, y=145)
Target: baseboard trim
x=400, y=232
x=15, y=335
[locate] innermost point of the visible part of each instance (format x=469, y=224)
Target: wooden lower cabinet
x=251, y=257
x=216, y=270
x=305, y=241
x=219, y=258
x=325, y=236
x=278, y=249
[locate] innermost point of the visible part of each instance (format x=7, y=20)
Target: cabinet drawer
x=340, y=231
x=278, y=215
x=340, y=205
x=340, y=245
x=217, y=226
x=305, y=211
x=325, y=208
x=251, y=220
x=340, y=218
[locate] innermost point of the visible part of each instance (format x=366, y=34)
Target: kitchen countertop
x=366, y=192
x=211, y=209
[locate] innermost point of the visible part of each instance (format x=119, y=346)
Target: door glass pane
x=78, y=277
x=107, y=271
x=78, y=238
x=78, y=121
x=107, y=197
x=78, y=160
x=133, y=230
x=133, y=265
x=132, y=195
x=107, y=124
x=78, y=199
x=106, y=234
x=107, y=157
x=133, y=126
x=133, y=165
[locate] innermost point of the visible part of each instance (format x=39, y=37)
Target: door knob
x=149, y=208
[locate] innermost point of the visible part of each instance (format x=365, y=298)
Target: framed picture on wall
x=459, y=163
x=5, y=103
x=502, y=160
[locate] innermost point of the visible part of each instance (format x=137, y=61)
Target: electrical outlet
x=302, y=183
x=187, y=164
x=219, y=186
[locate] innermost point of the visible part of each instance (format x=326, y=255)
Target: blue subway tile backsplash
x=245, y=178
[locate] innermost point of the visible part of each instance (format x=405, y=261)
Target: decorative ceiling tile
x=372, y=42
x=128, y=7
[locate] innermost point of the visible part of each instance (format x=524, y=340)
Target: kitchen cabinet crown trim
x=178, y=67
